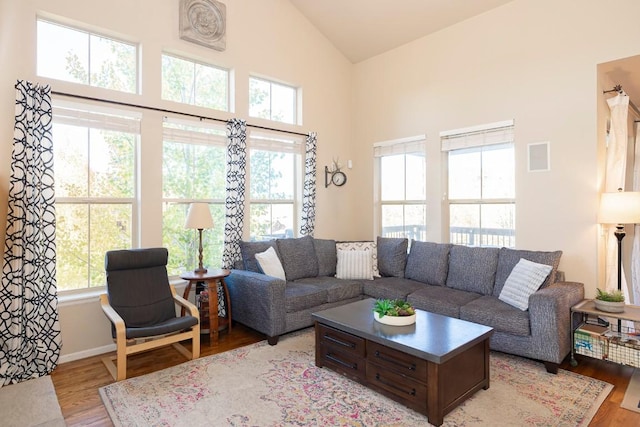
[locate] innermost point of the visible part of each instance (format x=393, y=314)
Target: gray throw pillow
x=298, y=257
x=392, y=256
x=508, y=259
x=428, y=262
x=248, y=251
x=472, y=269
x=326, y=254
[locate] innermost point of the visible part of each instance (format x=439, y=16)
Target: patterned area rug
x=262, y=385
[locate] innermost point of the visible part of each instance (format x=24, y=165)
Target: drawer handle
x=339, y=342
x=411, y=367
x=392, y=385
x=353, y=366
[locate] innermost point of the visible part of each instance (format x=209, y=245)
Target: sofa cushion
x=354, y=265
x=363, y=246
x=270, y=263
x=428, y=262
x=472, y=269
x=441, y=300
x=390, y=287
x=337, y=289
x=248, y=251
x=508, y=259
x=525, y=278
x=490, y=311
x=392, y=256
x=327, y=256
x=301, y=296
x=298, y=257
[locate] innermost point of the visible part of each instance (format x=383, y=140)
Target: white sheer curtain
x=615, y=177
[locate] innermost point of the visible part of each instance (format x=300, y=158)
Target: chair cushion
x=298, y=257
x=363, y=246
x=392, y=256
x=525, y=278
x=248, y=251
x=172, y=325
x=428, y=262
x=327, y=256
x=490, y=311
x=472, y=269
x=390, y=287
x=354, y=265
x=270, y=263
x=441, y=300
x=508, y=258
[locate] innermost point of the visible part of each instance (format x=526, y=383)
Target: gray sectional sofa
x=453, y=280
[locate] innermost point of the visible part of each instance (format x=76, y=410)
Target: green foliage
x=389, y=307
x=613, y=296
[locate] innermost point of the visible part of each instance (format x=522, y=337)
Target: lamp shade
x=622, y=207
x=199, y=216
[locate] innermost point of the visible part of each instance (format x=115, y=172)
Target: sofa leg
x=552, y=368
x=273, y=340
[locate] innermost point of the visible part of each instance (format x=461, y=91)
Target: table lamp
x=199, y=218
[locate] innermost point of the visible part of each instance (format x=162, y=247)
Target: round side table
x=211, y=278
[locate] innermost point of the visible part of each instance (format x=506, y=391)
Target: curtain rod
x=618, y=88
x=163, y=110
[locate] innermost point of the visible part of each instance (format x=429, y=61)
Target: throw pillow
x=354, y=265
x=428, y=262
x=270, y=264
x=327, y=256
x=392, y=256
x=508, y=259
x=298, y=257
x=363, y=246
x=248, y=251
x=525, y=278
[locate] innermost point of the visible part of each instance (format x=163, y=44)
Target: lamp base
x=200, y=270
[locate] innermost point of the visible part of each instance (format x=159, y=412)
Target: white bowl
x=395, y=320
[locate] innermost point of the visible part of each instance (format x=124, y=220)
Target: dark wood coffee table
x=431, y=366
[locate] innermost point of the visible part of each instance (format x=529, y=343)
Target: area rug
x=262, y=385
x=631, y=399
x=30, y=403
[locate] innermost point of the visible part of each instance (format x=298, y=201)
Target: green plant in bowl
x=612, y=296
x=393, y=307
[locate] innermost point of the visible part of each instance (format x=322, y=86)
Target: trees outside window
x=272, y=101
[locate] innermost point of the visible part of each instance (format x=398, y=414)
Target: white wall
x=267, y=37
x=534, y=61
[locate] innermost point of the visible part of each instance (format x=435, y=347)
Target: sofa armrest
x=257, y=301
x=550, y=317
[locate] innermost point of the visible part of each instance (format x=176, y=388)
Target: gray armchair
x=141, y=305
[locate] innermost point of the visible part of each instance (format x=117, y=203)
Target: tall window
x=272, y=101
x=73, y=55
x=481, y=185
x=275, y=170
x=96, y=181
x=401, y=199
x=190, y=82
x=193, y=170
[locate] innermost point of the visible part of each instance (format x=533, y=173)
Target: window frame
x=403, y=146
x=295, y=100
x=478, y=139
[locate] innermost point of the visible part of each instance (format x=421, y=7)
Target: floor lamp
x=620, y=208
x=199, y=218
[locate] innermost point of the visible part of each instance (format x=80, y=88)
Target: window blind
x=478, y=136
x=414, y=144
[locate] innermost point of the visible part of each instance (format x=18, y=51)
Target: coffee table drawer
x=341, y=341
x=402, y=363
x=411, y=393
x=345, y=363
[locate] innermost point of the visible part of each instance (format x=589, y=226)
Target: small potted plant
x=611, y=302
x=394, y=312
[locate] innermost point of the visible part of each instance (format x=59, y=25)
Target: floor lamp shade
x=199, y=218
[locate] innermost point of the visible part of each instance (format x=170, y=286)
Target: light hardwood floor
x=77, y=382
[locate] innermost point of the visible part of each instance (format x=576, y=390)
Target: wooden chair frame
x=126, y=347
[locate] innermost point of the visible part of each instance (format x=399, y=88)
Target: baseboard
x=87, y=353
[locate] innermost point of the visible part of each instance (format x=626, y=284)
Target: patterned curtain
x=234, y=204
x=29, y=330
x=309, y=197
